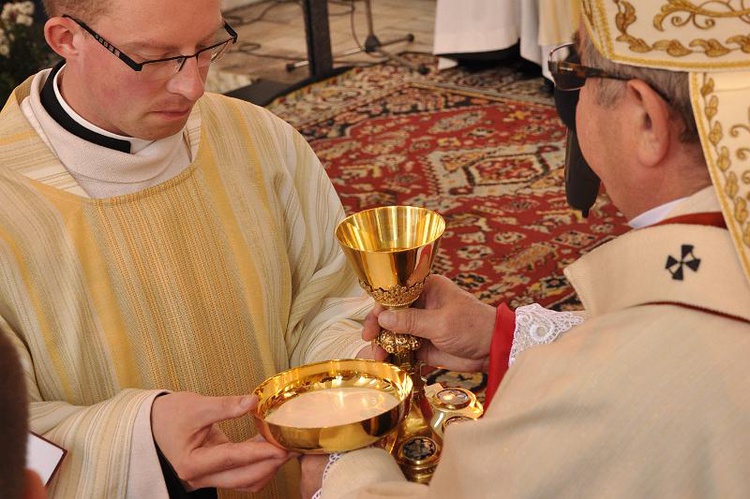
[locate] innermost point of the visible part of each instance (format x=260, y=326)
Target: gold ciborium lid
x=332, y=406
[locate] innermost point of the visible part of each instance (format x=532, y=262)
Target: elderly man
x=649, y=396
x=162, y=252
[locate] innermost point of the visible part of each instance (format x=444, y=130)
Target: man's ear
x=652, y=121
x=62, y=36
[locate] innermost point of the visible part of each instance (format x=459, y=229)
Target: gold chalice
x=392, y=250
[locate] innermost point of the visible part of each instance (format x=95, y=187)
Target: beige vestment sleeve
x=99, y=429
x=328, y=304
x=368, y=473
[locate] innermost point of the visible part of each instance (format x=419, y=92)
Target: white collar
x=654, y=215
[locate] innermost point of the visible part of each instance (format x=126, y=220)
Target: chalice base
x=415, y=445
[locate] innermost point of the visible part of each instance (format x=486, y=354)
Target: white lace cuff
x=332, y=458
x=536, y=325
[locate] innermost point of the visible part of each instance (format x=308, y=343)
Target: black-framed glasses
x=163, y=69
x=569, y=75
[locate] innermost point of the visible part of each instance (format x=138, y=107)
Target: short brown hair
x=14, y=424
x=674, y=85
x=87, y=10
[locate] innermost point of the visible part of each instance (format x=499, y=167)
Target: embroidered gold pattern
x=698, y=15
x=587, y=10
x=733, y=182
x=742, y=153
x=681, y=13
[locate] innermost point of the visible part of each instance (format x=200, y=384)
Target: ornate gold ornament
x=728, y=160
x=703, y=38
x=395, y=296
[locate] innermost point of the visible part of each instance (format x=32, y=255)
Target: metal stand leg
x=318, y=38
x=373, y=46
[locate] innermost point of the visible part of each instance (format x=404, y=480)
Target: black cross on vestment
x=687, y=259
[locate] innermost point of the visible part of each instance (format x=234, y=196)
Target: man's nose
x=189, y=81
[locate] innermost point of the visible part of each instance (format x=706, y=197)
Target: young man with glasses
x=648, y=397
x=162, y=252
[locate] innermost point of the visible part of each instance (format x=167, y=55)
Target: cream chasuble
x=209, y=282
x=647, y=398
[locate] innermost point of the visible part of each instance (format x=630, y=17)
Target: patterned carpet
x=484, y=148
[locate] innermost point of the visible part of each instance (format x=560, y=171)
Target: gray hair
x=673, y=85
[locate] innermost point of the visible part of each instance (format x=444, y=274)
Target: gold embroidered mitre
x=711, y=41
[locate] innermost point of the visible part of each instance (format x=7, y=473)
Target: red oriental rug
x=485, y=149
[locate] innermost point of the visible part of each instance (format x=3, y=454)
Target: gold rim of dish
x=359, y=373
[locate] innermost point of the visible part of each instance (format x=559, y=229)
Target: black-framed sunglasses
x=569, y=75
x=163, y=69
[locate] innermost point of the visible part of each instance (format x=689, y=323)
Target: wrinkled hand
x=184, y=427
x=312, y=474
x=457, y=325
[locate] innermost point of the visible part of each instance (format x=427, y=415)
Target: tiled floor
x=272, y=35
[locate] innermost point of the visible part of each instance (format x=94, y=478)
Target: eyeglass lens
x=167, y=69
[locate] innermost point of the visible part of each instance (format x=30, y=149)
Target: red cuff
x=502, y=340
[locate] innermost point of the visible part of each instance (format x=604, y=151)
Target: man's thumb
x=400, y=321
x=232, y=407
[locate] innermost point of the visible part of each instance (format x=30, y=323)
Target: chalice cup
x=391, y=250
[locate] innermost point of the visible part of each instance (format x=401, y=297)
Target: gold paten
x=357, y=373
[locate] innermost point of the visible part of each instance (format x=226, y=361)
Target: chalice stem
x=406, y=360
x=416, y=445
